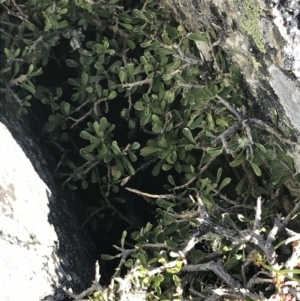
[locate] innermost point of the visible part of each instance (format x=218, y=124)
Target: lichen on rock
x=250, y=21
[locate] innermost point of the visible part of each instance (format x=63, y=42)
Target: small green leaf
x=237, y=162
x=128, y=263
x=275, y=117
x=125, y=25
x=225, y=92
x=59, y=92
x=240, y=186
x=176, y=269
x=85, y=135
x=139, y=14
x=165, y=204
x=188, y=134
x=156, y=169
x=84, y=79
x=189, y=147
x=63, y=24
x=226, y=217
x=163, y=51
x=124, y=234
x=221, y=122
x=164, y=153
x=260, y=190
x=6, y=51
x=207, y=92
x=193, y=124
x=135, y=145
x=128, y=166
x=198, y=37
x=26, y=103
x=117, y=175
x=65, y=108
x=89, y=90
x=297, y=177
x=156, y=129
x=116, y=148
x=122, y=76
x=49, y=126
x=224, y=183
x=94, y=176
x=130, y=44
x=215, y=151
x=148, y=150
x=29, y=88
x=139, y=106
x=130, y=69
x=255, y=168
x=131, y=124
x=167, y=167
x=132, y=156
x=212, y=33
x=142, y=258
x=261, y=147
x=235, y=79
x=84, y=184
x=17, y=69
x=270, y=155
x=71, y=63
x=107, y=257
x=219, y=173
x=171, y=180
x=156, y=281
x=112, y=95
x=231, y=263
x=169, y=96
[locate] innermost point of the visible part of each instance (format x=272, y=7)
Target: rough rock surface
x=41, y=244
x=262, y=37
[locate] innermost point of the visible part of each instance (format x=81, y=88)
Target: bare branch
x=139, y=83
x=239, y=115
x=157, y=196
x=257, y=221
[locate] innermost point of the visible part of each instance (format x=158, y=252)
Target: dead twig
x=158, y=196
x=138, y=83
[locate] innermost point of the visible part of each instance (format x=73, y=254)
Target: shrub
x=186, y=117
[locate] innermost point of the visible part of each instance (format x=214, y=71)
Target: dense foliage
x=146, y=95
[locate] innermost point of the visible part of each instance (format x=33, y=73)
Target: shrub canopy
x=137, y=94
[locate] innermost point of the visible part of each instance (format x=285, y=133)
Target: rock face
x=41, y=244
x=262, y=37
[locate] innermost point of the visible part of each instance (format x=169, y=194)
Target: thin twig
x=231, y=108
x=179, y=84
x=258, y=211
x=138, y=83
x=229, y=132
x=157, y=196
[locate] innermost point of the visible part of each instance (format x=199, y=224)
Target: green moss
x=249, y=21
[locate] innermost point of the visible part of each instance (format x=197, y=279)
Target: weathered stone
x=41, y=244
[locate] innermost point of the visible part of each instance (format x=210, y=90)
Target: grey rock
x=42, y=246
